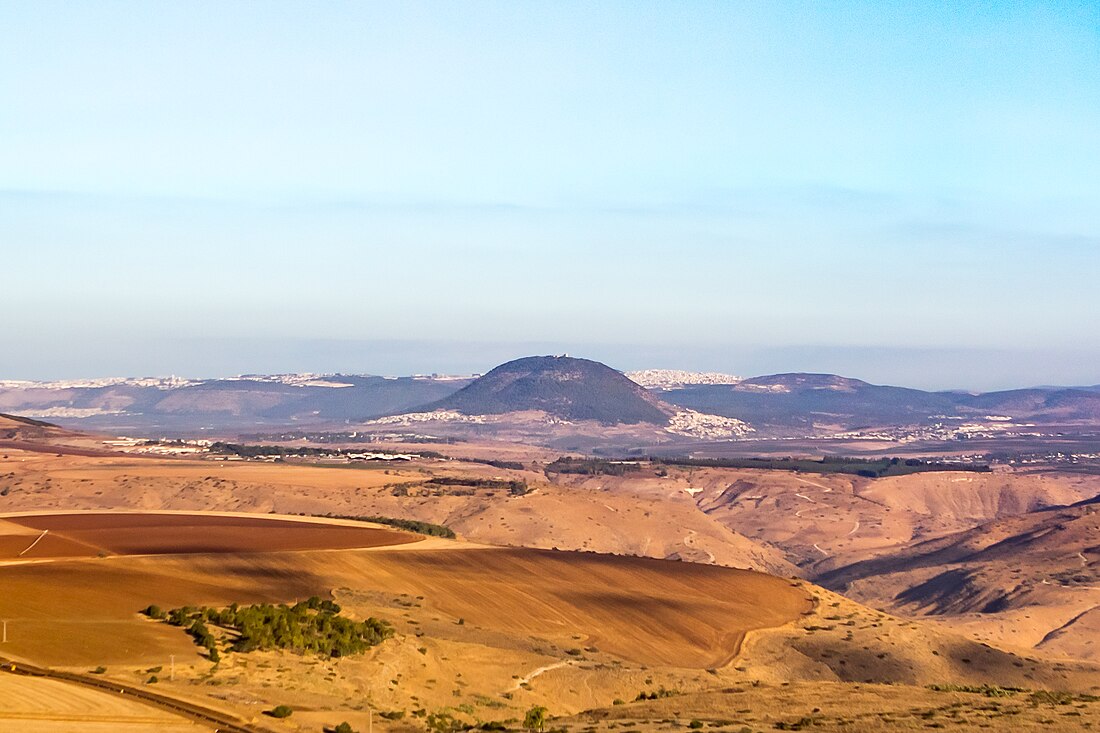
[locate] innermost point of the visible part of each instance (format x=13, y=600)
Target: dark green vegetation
x=280, y=711
x=508, y=465
x=986, y=690
x=459, y=486
x=657, y=694
x=511, y=486
x=312, y=626
x=410, y=525
x=535, y=718
x=1035, y=697
x=591, y=466
x=867, y=467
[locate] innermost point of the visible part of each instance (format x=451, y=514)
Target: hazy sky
x=905, y=192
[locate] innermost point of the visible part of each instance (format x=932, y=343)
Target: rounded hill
x=561, y=386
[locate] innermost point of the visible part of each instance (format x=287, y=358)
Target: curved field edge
x=88, y=534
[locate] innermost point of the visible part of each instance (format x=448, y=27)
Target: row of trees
x=411, y=525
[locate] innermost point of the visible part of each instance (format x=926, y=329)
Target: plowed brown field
x=124, y=533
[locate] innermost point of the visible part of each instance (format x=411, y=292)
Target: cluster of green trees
x=868, y=467
x=459, y=486
x=591, y=466
x=313, y=626
x=444, y=721
x=514, y=486
x=410, y=525
x=507, y=465
x=657, y=694
x=255, y=451
x=202, y=636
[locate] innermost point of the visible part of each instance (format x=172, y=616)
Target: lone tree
x=535, y=718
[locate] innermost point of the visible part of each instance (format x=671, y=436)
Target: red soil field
x=18, y=547
x=89, y=534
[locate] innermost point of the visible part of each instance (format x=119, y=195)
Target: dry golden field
x=30, y=705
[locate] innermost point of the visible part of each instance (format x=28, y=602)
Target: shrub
x=280, y=711
x=442, y=722
x=657, y=694
x=535, y=718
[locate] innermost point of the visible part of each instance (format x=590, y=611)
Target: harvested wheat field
x=36, y=705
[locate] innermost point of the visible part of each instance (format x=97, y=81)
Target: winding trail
x=526, y=679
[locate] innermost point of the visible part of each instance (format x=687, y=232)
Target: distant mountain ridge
x=563, y=387
x=183, y=405
x=798, y=400
x=571, y=389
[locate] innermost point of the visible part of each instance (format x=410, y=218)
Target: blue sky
x=904, y=192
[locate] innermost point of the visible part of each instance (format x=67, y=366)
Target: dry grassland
x=35, y=705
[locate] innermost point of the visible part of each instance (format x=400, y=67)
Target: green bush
x=280, y=711
x=535, y=718
x=442, y=722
